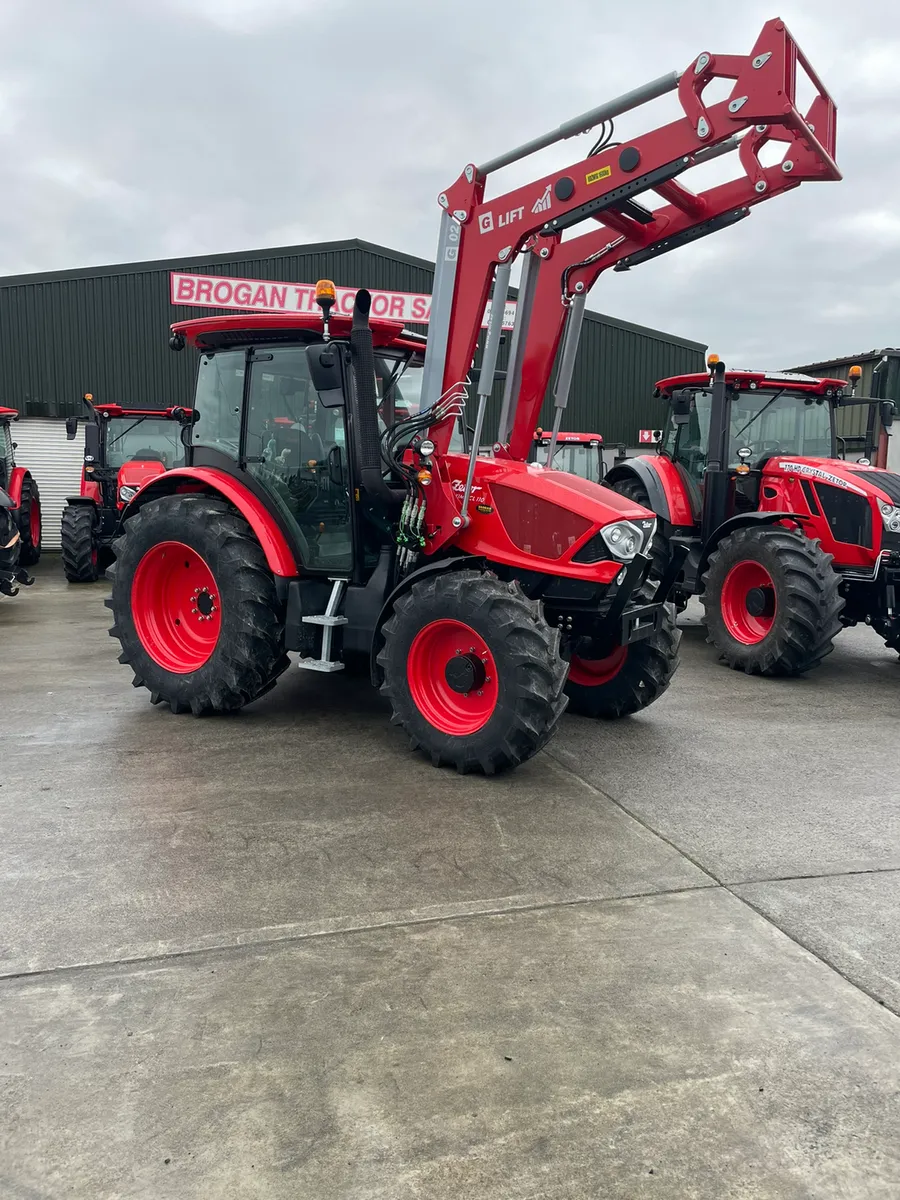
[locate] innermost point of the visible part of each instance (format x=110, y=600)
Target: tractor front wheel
x=473, y=671
x=772, y=601
x=195, y=606
x=79, y=543
x=30, y=523
x=628, y=679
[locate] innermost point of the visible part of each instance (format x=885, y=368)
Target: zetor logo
x=486, y=220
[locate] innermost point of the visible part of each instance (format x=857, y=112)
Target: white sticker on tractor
x=543, y=203
x=818, y=473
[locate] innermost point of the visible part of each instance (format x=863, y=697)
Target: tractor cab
x=579, y=454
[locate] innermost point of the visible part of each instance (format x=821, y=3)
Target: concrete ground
x=278, y=956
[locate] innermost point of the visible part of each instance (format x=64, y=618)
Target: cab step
x=329, y=619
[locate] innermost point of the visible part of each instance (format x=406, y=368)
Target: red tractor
x=486, y=592
x=124, y=448
x=578, y=453
x=22, y=509
x=785, y=542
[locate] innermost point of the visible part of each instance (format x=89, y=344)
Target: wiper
x=128, y=430
x=756, y=416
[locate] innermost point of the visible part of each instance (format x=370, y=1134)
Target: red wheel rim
x=175, y=605
x=594, y=672
x=446, y=656
x=748, y=583
x=34, y=523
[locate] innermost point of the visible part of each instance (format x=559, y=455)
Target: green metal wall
x=884, y=384
x=105, y=330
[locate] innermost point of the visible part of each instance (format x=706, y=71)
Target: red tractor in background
x=486, y=591
x=22, y=506
x=124, y=448
x=578, y=453
x=783, y=541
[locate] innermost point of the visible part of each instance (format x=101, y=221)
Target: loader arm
x=559, y=273
x=480, y=239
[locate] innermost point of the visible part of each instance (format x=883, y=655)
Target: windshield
x=575, y=459
x=775, y=421
x=144, y=439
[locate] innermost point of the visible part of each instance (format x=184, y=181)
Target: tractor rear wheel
x=473, y=671
x=632, y=487
x=79, y=543
x=628, y=679
x=195, y=606
x=772, y=601
x=30, y=523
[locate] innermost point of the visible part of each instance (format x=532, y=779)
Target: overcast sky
x=137, y=129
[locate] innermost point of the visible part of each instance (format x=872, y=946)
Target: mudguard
x=207, y=479
x=741, y=522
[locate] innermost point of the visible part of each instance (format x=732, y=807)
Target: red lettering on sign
x=346, y=301
x=260, y=297
x=419, y=308
x=279, y=297
x=222, y=292
x=185, y=291
x=204, y=291
x=242, y=293
x=379, y=305
x=304, y=298
x=397, y=307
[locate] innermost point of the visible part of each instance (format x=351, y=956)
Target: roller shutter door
x=42, y=448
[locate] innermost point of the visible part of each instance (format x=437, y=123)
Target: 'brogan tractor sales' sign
x=259, y=295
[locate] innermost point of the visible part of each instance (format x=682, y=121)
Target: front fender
x=14, y=488
x=741, y=522
x=207, y=479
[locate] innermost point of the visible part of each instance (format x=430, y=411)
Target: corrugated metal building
x=880, y=378
x=105, y=330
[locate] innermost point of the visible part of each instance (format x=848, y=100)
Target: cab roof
x=581, y=439
x=241, y=329
x=790, y=380
x=118, y=410
x=8, y=413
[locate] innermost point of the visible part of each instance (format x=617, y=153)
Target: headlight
x=890, y=517
x=623, y=539
x=127, y=493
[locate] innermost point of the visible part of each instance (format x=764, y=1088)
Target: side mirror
x=323, y=360
x=887, y=413
x=681, y=406
x=71, y=428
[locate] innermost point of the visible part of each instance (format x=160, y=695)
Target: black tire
x=30, y=551
x=249, y=654
x=78, y=539
x=530, y=672
x=632, y=487
x=644, y=675
x=807, y=602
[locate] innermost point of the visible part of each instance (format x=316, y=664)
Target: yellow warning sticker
x=600, y=173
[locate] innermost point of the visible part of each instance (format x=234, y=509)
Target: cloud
x=133, y=129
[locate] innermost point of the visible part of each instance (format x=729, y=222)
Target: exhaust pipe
x=364, y=397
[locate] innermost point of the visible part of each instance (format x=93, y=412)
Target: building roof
x=845, y=359
x=201, y=262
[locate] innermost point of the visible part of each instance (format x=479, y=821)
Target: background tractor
x=578, y=453
x=124, y=448
x=22, y=491
x=785, y=542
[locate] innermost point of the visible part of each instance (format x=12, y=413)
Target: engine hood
x=136, y=473
x=864, y=481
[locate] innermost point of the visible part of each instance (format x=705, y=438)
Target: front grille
x=594, y=551
x=887, y=481
x=848, y=515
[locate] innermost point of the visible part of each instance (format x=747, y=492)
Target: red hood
x=136, y=474
x=836, y=471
